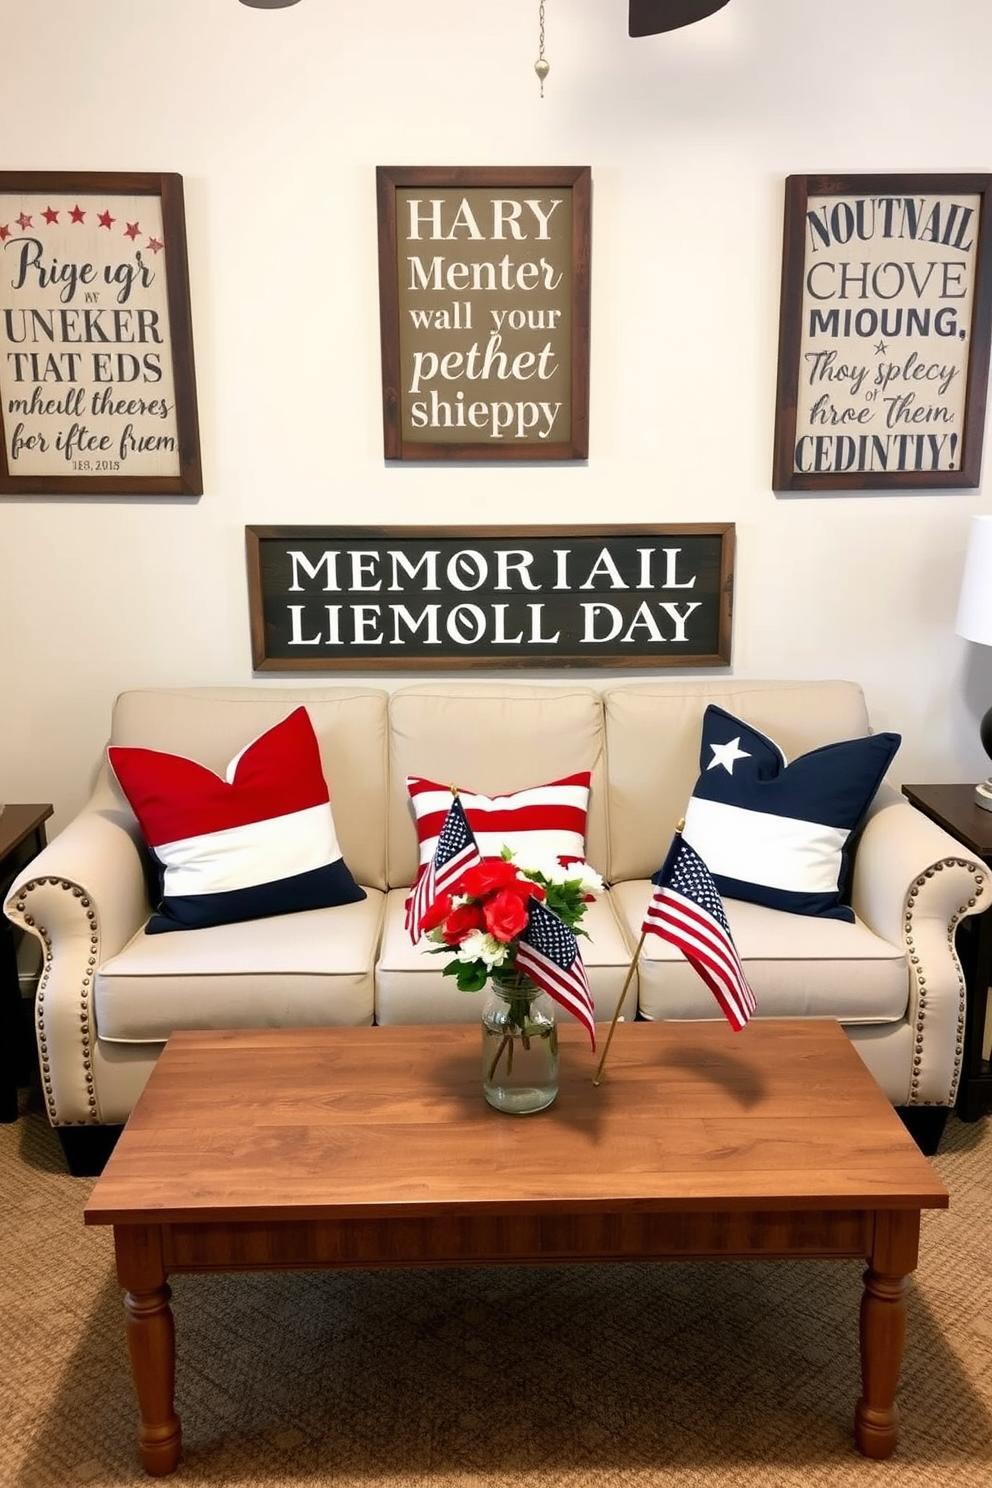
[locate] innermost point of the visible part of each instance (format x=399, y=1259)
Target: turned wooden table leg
x=883, y=1330
x=151, y=1342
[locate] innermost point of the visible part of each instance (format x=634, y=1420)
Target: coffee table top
x=391, y=1122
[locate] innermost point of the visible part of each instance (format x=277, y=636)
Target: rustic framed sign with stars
x=97, y=384
x=884, y=332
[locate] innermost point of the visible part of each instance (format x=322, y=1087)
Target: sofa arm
x=913, y=884
x=83, y=897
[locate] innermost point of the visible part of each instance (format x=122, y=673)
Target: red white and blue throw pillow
x=544, y=821
x=259, y=842
x=777, y=833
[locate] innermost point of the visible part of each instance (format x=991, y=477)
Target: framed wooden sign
x=331, y=598
x=884, y=332
x=484, y=312
x=97, y=387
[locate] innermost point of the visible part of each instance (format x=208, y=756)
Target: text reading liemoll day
x=367, y=596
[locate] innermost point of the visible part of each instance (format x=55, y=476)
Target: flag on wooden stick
x=548, y=952
x=686, y=910
x=456, y=850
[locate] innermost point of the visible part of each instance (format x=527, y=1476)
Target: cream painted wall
x=276, y=121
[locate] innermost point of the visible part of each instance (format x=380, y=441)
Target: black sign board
x=331, y=598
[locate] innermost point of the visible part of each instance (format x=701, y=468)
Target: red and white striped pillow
x=545, y=821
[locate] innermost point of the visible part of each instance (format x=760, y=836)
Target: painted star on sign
x=727, y=754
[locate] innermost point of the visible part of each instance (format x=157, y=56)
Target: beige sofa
x=110, y=995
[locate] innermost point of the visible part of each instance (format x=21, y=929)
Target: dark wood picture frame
x=97, y=379
x=326, y=599
x=884, y=332
x=484, y=292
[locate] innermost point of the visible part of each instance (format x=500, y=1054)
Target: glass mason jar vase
x=519, y=1046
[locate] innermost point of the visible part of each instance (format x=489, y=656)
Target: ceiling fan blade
x=648, y=17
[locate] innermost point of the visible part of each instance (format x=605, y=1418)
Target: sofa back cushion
x=653, y=732
x=491, y=738
x=212, y=724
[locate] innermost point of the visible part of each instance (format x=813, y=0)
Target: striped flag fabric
x=456, y=850
x=548, y=952
x=686, y=910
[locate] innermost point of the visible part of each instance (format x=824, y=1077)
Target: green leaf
x=471, y=976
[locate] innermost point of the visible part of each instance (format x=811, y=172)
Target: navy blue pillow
x=777, y=833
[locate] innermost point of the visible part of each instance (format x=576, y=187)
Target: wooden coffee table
x=366, y=1147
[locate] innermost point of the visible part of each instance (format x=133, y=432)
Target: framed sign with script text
x=97, y=387
x=484, y=312
x=324, y=599
x=884, y=332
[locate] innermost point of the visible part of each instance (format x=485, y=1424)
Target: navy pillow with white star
x=777, y=833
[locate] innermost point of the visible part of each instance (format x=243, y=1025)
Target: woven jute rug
x=729, y=1375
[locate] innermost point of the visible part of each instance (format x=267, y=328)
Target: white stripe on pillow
x=242, y=857
x=781, y=852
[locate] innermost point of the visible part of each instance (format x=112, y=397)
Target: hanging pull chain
x=541, y=67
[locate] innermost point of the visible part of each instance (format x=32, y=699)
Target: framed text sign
x=97, y=388
x=884, y=332
x=484, y=312
x=329, y=598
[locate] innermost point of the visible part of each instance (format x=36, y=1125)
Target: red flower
x=461, y=921
x=438, y=911
x=526, y=888
x=505, y=915
x=487, y=877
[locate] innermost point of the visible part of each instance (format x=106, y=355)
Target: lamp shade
x=974, y=620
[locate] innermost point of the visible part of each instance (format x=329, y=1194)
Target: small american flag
x=456, y=850
x=549, y=954
x=686, y=909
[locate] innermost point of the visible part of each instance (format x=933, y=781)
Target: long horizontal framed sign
x=884, y=332
x=329, y=598
x=97, y=389
x=484, y=312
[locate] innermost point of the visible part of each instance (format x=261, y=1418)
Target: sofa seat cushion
x=298, y=970
x=799, y=966
x=411, y=986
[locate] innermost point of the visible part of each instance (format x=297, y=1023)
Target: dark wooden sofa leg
x=86, y=1148
x=925, y=1125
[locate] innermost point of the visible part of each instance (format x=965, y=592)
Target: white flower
x=478, y=946
x=590, y=882
x=534, y=864
x=554, y=872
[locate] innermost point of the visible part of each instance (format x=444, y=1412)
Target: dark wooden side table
x=22, y=836
x=953, y=808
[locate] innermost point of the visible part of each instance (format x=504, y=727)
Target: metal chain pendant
x=541, y=67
